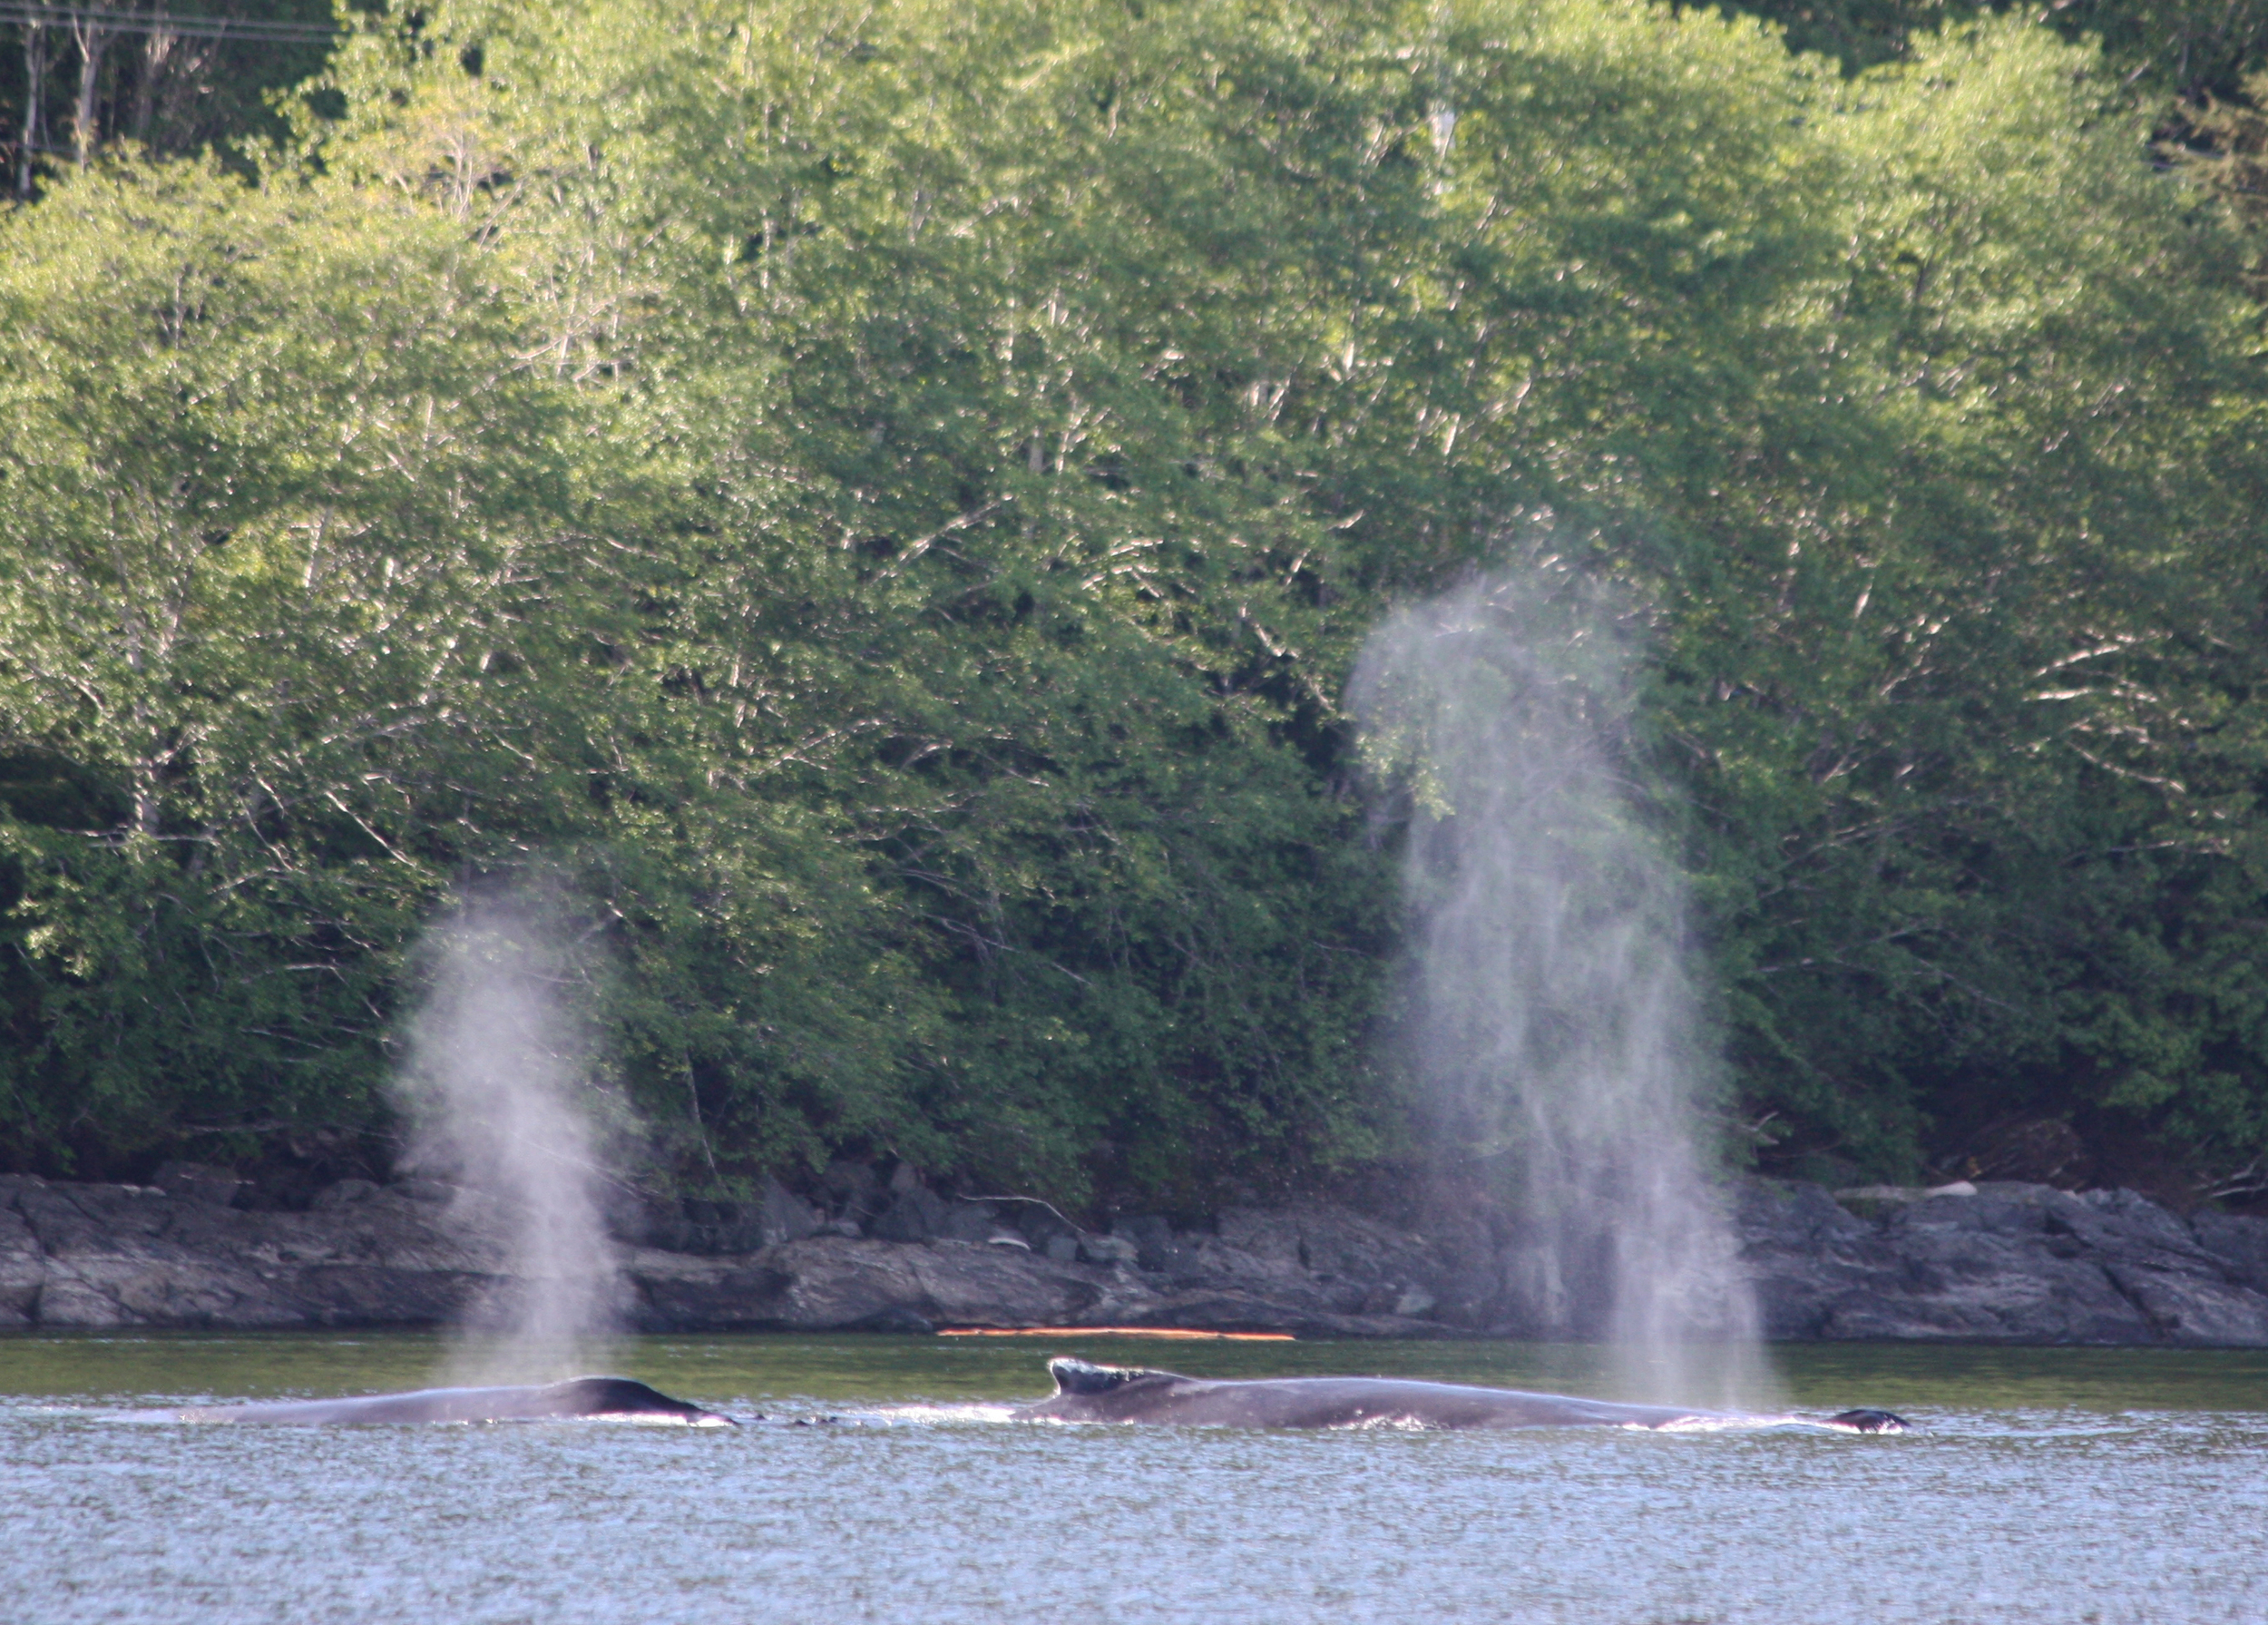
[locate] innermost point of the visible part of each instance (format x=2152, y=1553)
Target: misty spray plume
x=498, y=1085
x=1552, y=1025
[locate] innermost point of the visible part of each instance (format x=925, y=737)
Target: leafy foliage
x=872, y=512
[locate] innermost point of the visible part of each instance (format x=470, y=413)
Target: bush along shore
x=867, y=517
x=1998, y=1262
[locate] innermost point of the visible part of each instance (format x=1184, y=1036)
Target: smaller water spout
x=1552, y=1027
x=495, y=1085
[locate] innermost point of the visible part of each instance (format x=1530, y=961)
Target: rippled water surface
x=2064, y=1485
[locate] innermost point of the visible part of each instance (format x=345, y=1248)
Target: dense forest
x=862, y=517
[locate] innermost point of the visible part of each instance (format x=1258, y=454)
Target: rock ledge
x=2021, y=1263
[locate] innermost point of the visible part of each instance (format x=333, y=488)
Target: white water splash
x=937, y=1413
x=496, y=1083
x=1552, y=1025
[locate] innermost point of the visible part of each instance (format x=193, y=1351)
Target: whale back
x=614, y=1397
x=1085, y=1392
x=1085, y=1379
x=617, y=1396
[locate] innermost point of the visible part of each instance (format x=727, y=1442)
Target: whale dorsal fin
x=1080, y=1376
x=618, y=1396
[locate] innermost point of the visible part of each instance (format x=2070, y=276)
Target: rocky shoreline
x=1995, y=1263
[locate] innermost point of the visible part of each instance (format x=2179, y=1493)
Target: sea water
x=2062, y=1485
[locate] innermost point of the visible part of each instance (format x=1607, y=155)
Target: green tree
x=271, y=520
x=875, y=510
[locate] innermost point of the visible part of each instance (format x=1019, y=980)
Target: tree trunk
x=93, y=42
x=157, y=49
x=34, y=81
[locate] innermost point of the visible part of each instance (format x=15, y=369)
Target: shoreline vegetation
x=860, y=519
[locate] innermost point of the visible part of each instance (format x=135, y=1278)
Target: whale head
x=1870, y=1422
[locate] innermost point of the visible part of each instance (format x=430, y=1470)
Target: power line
x=193, y=28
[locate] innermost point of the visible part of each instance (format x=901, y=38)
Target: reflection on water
x=2048, y=1485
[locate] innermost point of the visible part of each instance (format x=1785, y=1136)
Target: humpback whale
x=611, y=1396
x=1089, y=1393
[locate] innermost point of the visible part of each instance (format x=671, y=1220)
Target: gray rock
x=901, y=1321
x=1154, y=1245
x=1143, y=1230
x=718, y=1229
x=117, y=1256
x=680, y=1292
x=2015, y=1263
x=783, y=1216
x=343, y=1193
x=834, y=1283
x=1804, y=1254
x=1792, y=1216
x=857, y=1194
x=1983, y=1274
x=198, y=1182
x=2071, y=1306
x=2238, y=1244
x=1314, y=1264
x=971, y=1221
x=1264, y=1233
x=23, y=1270
x=640, y=1220
x=2121, y=1226
x=915, y=1215
x=1341, y=1245
x=1228, y=1310
x=1041, y=1225
x=70, y=1304
x=2195, y=1310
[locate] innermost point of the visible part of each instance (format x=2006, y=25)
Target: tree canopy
x=869, y=514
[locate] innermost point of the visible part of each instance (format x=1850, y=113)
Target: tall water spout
x=496, y=1084
x=1551, y=1020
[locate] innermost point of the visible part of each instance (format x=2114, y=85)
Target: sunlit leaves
x=877, y=504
